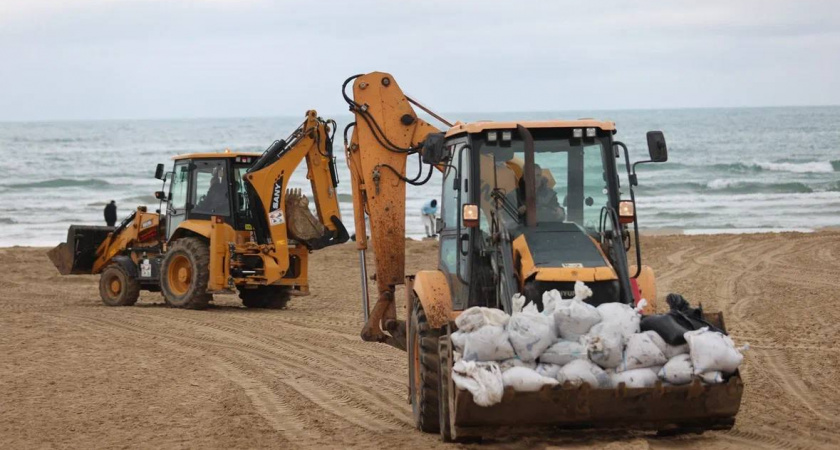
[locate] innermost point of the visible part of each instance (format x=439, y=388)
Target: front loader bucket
x=667, y=409
x=77, y=255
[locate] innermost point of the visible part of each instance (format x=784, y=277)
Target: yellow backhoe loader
x=526, y=206
x=230, y=224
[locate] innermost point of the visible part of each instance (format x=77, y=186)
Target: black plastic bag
x=672, y=325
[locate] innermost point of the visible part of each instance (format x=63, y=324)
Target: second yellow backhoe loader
x=230, y=224
x=526, y=207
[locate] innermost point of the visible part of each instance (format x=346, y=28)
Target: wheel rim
x=179, y=274
x=115, y=287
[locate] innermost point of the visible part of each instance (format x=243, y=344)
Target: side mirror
x=656, y=146
x=470, y=215
x=160, y=195
x=159, y=171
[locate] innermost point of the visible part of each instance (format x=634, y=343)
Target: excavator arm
x=280, y=213
x=387, y=132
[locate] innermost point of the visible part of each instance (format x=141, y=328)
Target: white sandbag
x=479, y=316
x=517, y=303
x=531, y=308
x=678, y=370
x=482, y=379
x=458, y=339
x=553, y=297
x=530, y=333
x=548, y=370
x=667, y=349
x=550, y=301
x=574, y=318
x=712, y=351
x=582, y=291
x=456, y=355
x=563, y=352
x=516, y=362
x=488, y=343
x=714, y=377
x=582, y=371
x=604, y=347
x=674, y=350
x=523, y=379
x=621, y=317
x=641, y=352
x=636, y=378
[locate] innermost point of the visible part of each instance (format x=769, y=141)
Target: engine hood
x=560, y=252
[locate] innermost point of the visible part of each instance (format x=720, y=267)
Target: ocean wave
x=7, y=221
x=141, y=199
x=757, y=166
x=59, y=183
x=799, y=167
x=730, y=186
x=63, y=140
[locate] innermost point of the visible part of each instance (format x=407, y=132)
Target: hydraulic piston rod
x=365, y=299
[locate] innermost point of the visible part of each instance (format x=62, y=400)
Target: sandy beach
x=75, y=373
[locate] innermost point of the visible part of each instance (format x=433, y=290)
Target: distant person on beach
x=111, y=213
x=429, y=215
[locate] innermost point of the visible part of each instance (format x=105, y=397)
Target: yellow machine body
x=528, y=257
x=270, y=248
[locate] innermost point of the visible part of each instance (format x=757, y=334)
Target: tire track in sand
x=314, y=355
x=741, y=277
x=357, y=410
x=276, y=412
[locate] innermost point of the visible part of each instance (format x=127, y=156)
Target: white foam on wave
x=721, y=183
x=704, y=231
x=805, y=167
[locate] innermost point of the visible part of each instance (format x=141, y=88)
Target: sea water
x=729, y=170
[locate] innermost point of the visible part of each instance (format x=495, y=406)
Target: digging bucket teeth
x=691, y=408
x=77, y=255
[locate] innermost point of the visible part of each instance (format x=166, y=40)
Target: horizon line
x=288, y=116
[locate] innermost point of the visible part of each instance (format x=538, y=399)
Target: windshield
x=570, y=181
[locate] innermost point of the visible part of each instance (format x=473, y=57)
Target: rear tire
x=424, y=371
x=444, y=350
x=267, y=297
x=185, y=272
x=117, y=287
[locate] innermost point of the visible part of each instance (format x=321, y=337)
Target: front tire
x=424, y=371
x=267, y=297
x=184, y=274
x=117, y=287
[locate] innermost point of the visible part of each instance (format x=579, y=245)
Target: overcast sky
x=113, y=59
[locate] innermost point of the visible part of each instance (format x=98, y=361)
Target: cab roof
x=216, y=155
x=478, y=127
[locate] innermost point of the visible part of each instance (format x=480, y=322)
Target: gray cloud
x=145, y=59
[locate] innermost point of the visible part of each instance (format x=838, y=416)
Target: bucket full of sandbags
x=576, y=365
